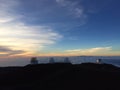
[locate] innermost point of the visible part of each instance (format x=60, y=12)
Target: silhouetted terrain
x=60, y=76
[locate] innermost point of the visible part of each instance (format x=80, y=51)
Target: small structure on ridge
x=51, y=60
x=66, y=60
x=34, y=60
x=99, y=61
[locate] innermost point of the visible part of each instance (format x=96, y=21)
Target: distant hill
x=61, y=76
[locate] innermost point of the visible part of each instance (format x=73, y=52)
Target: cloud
x=91, y=51
x=6, y=51
x=20, y=36
x=27, y=38
x=74, y=7
x=6, y=8
x=97, y=51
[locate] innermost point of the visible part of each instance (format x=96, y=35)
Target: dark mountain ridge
x=60, y=76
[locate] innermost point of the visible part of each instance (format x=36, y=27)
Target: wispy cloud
x=97, y=51
x=74, y=7
x=90, y=51
x=6, y=10
x=18, y=35
x=6, y=51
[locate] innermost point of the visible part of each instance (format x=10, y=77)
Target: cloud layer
x=16, y=36
x=5, y=51
x=90, y=51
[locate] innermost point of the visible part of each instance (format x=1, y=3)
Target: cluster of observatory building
x=52, y=60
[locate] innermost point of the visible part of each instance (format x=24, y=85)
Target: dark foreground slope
x=86, y=76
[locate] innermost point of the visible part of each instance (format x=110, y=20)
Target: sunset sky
x=59, y=28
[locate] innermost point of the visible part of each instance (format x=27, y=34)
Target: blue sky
x=59, y=28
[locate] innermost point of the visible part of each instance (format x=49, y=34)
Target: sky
x=59, y=28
